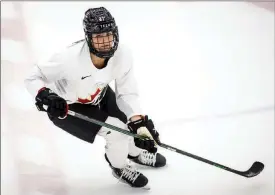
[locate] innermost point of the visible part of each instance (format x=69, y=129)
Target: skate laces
x=130, y=173
x=148, y=158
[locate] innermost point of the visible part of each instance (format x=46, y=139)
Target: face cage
x=104, y=54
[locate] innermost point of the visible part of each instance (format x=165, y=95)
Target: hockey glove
x=145, y=128
x=56, y=105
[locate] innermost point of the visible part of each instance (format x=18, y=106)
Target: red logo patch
x=84, y=101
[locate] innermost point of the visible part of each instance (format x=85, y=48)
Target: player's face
x=103, y=41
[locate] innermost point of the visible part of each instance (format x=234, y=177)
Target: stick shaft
x=171, y=148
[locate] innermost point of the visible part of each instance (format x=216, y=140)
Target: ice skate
x=129, y=175
x=149, y=159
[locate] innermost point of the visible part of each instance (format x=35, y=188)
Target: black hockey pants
x=87, y=131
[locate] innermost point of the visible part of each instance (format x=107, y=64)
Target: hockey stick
x=254, y=170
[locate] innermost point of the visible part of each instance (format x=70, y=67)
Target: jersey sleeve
x=126, y=88
x=43, y=73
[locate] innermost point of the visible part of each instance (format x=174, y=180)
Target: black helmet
x=97, y=21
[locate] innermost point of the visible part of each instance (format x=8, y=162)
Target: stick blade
x=254, y=170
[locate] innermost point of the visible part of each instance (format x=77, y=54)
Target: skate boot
x=130, y=176
x=149, y=159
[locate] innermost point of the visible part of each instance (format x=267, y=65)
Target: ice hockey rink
x=205, y=73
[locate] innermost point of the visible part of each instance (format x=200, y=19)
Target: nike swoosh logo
x=85, y=77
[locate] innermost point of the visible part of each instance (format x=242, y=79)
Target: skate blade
x=147, y=187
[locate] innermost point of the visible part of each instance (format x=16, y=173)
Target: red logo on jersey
x=84, y=101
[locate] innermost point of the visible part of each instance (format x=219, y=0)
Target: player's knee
x=115, y=135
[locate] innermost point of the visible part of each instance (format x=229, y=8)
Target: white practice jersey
x=72, y=75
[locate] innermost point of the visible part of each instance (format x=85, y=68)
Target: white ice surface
x=206, y=77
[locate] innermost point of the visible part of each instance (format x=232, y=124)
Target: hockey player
x=78, y=79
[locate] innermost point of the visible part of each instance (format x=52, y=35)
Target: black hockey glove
x=145, y=127
x=57, y=106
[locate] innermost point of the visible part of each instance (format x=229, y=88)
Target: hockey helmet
x=101, y=32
